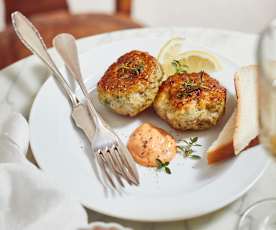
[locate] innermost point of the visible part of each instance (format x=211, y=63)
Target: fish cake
x=130, y=85
x=192, y=101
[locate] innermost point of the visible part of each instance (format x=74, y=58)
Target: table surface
x=20, y=82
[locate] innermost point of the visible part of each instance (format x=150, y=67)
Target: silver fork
x=113, y=157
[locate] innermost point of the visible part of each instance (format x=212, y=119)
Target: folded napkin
x=28, y=199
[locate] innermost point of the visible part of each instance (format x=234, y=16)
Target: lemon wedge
x=192, y=61
x=196, y=61
x=167, y=53
x=170, y=50
x=172, y=60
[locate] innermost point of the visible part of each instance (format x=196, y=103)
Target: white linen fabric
x=28, y=200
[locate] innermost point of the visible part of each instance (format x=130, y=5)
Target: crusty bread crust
x=222, y=153
x=247, y=127
x=226, y=151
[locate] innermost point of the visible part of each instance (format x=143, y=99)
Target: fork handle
x=31, y=38
x=66, y=46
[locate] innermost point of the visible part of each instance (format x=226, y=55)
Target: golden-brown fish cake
x=149, y=143
x=193, y=101
x=130, y=85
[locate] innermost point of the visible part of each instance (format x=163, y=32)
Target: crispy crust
x=174, y=88
x=118, y=80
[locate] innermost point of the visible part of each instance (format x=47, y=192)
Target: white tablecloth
x=20, y=82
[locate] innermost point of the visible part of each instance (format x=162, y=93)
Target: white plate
x=193, y=188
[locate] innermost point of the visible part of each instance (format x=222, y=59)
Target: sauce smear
x=148, y=143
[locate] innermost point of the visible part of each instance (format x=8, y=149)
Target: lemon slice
x=190, y=61
x=171, y=49
x=167, y=54
x=197, y=61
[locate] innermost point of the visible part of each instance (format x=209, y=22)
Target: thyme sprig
x=136, y=69
x=189, y=86
x=187, y=149
x=163, y=166
x=179, y=67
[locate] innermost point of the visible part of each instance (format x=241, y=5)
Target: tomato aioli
x=148, y=143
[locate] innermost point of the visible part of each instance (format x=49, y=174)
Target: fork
x=113, y=157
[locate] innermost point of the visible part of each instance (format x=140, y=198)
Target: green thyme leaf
x=180, y=147
x=167, y=170
x=135, y=69
x=188, y=150
x=195, y=157
x=163, y=166
x=190, y=86
x=179, y=67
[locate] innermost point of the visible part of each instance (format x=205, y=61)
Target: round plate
x=193, y=188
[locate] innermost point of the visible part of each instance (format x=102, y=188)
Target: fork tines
x=114, y=165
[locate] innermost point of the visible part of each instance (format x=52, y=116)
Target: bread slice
x=222, y=148
x=247, y=126
x=241, y=130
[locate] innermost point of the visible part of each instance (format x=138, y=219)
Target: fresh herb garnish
x=136, y=69
x=189, y=86
x=179, y=67
x=187, y=149
x=202, y=86
x=163, y=166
